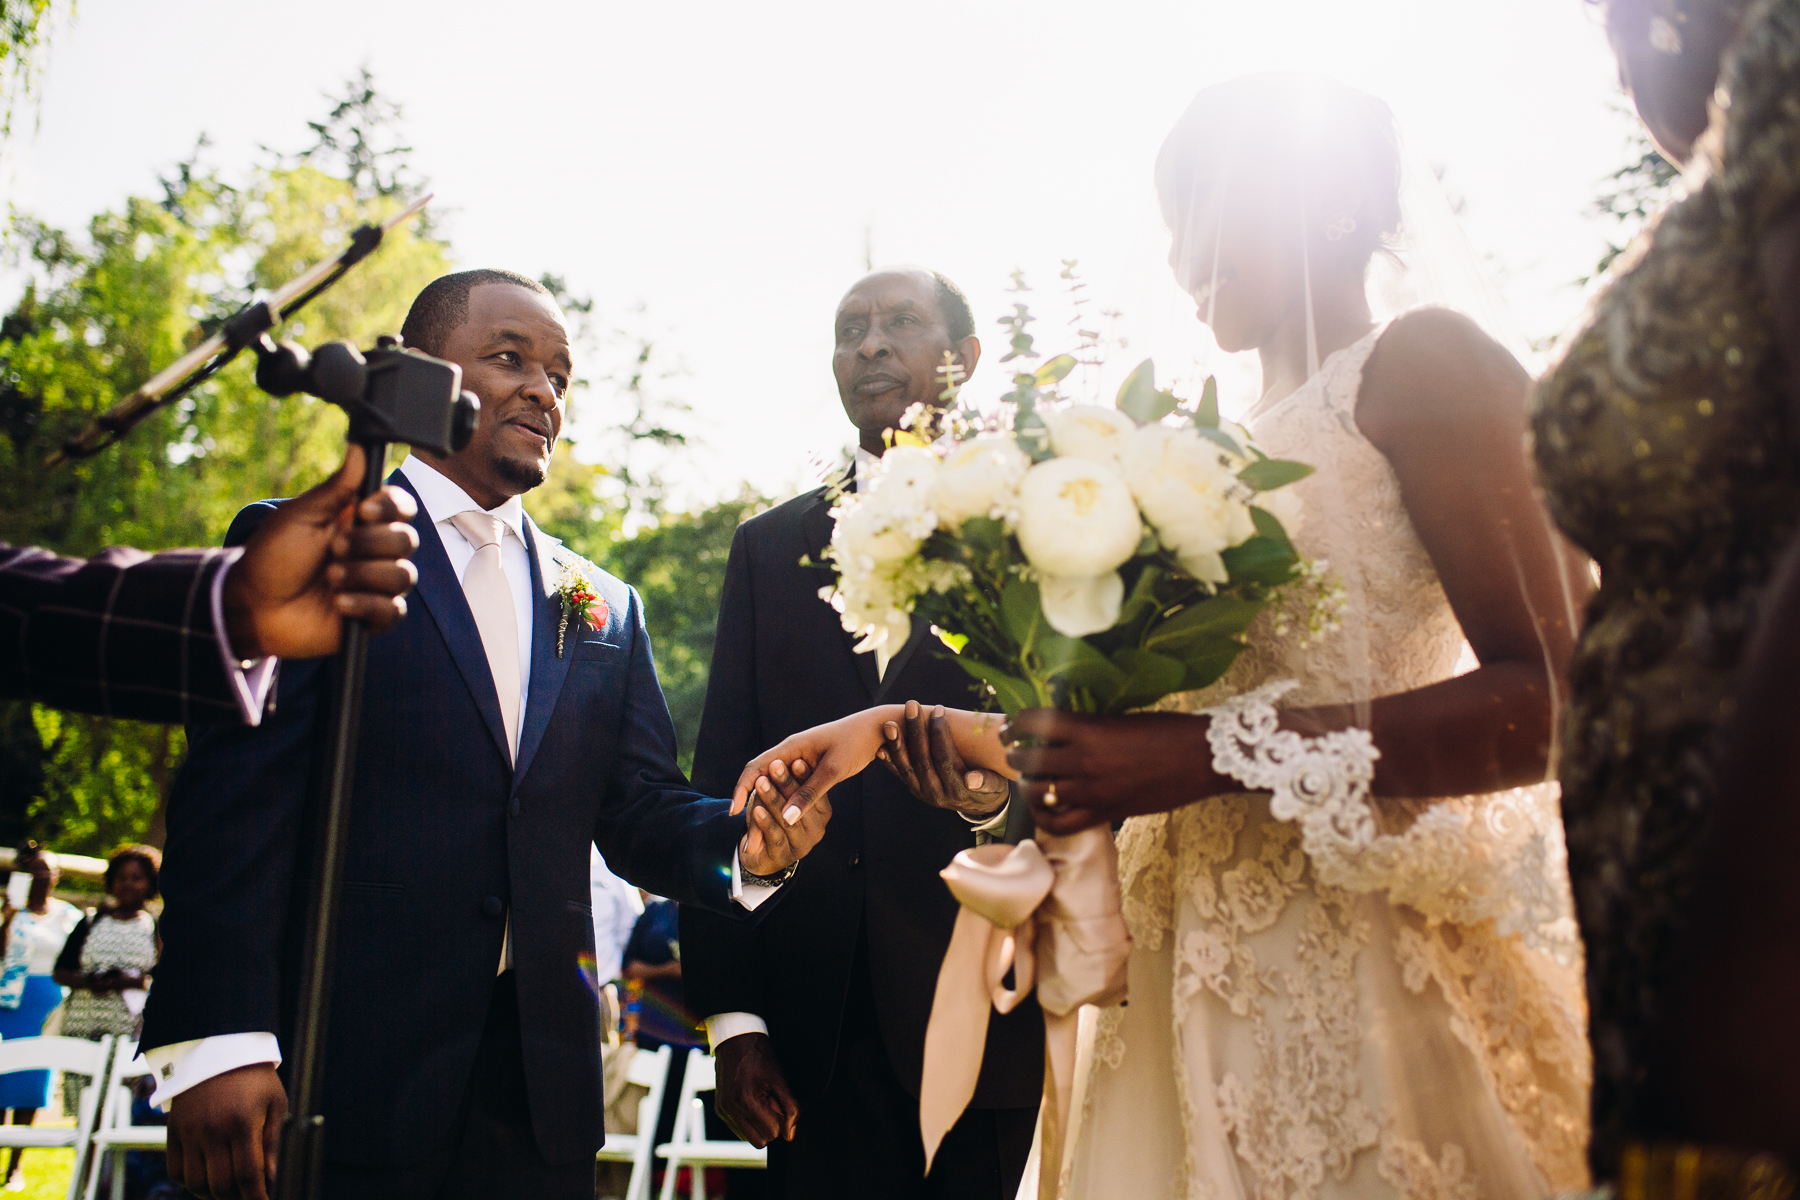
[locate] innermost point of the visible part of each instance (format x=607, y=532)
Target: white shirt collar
x=444, y=499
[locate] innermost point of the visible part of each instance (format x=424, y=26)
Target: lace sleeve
x=1499, y=857
x=1760, y=176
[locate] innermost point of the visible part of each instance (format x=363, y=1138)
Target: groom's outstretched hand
x=753, y=1097
x=784, y=818
x=224, y=1133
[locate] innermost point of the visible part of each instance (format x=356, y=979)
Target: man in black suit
x=193, y=635
x=817, y=1016
x=504, y=730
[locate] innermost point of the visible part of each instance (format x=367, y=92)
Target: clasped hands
x=1075, y=771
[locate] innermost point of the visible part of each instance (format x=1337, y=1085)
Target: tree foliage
x=1631, y=195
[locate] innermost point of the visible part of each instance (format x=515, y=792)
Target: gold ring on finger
x=1050, y=796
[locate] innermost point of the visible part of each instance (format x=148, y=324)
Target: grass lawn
x=46, y=1174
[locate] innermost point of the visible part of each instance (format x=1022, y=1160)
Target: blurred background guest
x=617, y=907
x=33, y=937
x=108, y=958
x=656, y=1013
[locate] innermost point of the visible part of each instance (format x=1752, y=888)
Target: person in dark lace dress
x=1669, y=448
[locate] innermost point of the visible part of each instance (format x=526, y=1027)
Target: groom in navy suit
x=497, y=742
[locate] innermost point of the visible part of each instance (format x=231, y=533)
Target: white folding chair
x=75, y=1056
x=115, y=1134
x=690, y=1145
x=649, y=1071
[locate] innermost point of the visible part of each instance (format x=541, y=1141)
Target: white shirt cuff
x=724, y=1026
x=181, y=1065
x=993, y=824
x=250, y=680
x=750, y=896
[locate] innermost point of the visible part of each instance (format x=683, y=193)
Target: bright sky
x=727, y=165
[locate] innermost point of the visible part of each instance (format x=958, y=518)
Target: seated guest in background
x=109, y=957
x=33, y=937
x=617, y=907
x=164, y=637
x=655, y=1012
x=818, y=1015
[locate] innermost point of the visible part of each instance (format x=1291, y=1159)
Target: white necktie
x=491, y=601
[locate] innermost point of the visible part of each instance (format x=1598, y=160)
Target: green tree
x=102, y=313
x=1631, y=196
x=25, y=29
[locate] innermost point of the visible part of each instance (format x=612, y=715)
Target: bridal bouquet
x=1074, y=556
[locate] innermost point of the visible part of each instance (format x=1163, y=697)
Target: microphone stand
x=302, y=1160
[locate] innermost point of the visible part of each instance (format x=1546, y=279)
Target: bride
x=1342, y=984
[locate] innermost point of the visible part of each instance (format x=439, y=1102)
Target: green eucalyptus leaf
x=1139, y=399
x=1207, y=417
x=1013, y=694
x=1214, y=434
x=983, y=535
x=1073, y=663
x=1148, y=677
x=1207, y=667
x=1032, y=435
x=1268, y=474
x=1054, y=370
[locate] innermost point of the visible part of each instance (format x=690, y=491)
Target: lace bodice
x=1355, y=1006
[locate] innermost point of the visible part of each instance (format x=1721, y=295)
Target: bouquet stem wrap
x=1048, y=910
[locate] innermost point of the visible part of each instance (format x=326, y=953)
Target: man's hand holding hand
x=753, y=1098
x=922, y=755
x=310, y=565
x=224, y=1134
x=785, y=819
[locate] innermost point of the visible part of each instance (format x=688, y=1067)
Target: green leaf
x=984, y=535
x=1195, y=628
x=1032, y=434
x=1224, y=439
x=1013, y=694
x=1054, y=370
x=1209, y=666
x=1207, y=417
x=956, y=641
x=1139, y=399
x=1261, y=560
x=1268, y=526
x=1148, y=677
x=1022, y=612
x=1271, y=473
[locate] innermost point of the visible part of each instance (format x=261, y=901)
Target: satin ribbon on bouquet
x=1048, y=910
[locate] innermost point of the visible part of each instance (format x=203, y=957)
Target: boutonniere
x=579, y=603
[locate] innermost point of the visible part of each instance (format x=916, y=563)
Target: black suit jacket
x=783, y=663
x=122, y=634
x=446, y=837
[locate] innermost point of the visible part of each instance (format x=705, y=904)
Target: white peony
x=903, y=481
x=980, y=478
x=1076, y=518
x=867, y=533
x=1078, y=607
x=1190, y=495
x=1088, y=431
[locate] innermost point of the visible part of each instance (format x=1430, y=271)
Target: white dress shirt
x=181, y=1065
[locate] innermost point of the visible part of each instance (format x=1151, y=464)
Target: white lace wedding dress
x=1328, y=1010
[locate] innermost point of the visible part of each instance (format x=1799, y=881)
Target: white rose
x=867, y=534
x=1076, y=518
x=1286, y=506
x=1078, y=607
x=1191, y=497
x=1088, y=431
x=980, y=478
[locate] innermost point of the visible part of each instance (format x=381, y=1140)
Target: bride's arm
x=1446, y=406
x=839, y=749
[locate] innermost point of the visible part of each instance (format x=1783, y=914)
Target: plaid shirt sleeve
x=123, y=634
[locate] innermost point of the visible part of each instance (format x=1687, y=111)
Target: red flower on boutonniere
x=579, y=602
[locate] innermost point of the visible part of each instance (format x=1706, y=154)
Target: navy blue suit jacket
x=446, y=837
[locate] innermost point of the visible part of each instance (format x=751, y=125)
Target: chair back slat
x=701, y=1071
x=77, y=1056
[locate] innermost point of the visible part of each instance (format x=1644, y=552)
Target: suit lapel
x=816, y=522
x=443, y=596
x=547, y=670
x=897, y=664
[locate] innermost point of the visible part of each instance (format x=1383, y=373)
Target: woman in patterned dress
x=108, y=956
x=1668, y=440
x=33, y=937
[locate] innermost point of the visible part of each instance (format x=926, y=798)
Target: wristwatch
x=765, y=881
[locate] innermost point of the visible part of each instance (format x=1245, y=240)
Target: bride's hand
x=834, y=752
x=1104, y=769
